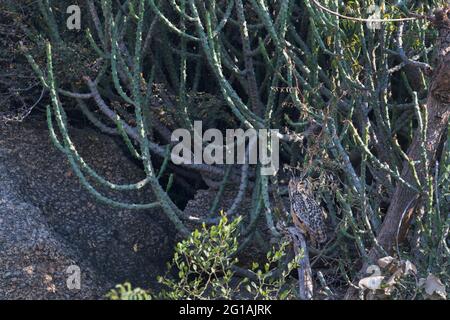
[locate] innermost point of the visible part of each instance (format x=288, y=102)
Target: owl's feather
x=306, y=213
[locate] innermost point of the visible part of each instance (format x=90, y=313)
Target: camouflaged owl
x=306, y=213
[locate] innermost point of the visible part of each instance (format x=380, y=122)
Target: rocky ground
x=48, y=222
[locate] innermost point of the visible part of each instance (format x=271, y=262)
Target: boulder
x=49, y=221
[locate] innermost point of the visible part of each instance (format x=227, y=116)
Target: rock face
x=33, y=258
x=48, y=221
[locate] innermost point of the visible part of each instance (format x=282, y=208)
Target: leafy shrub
x=126, y=292
x=206, y=268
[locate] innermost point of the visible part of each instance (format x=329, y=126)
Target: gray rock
x=48, y=221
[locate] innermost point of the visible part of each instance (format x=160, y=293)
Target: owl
x=306, y=213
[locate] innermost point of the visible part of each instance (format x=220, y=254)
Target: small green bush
x=205, y=265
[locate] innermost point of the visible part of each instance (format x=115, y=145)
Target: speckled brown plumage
x=306, y=213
